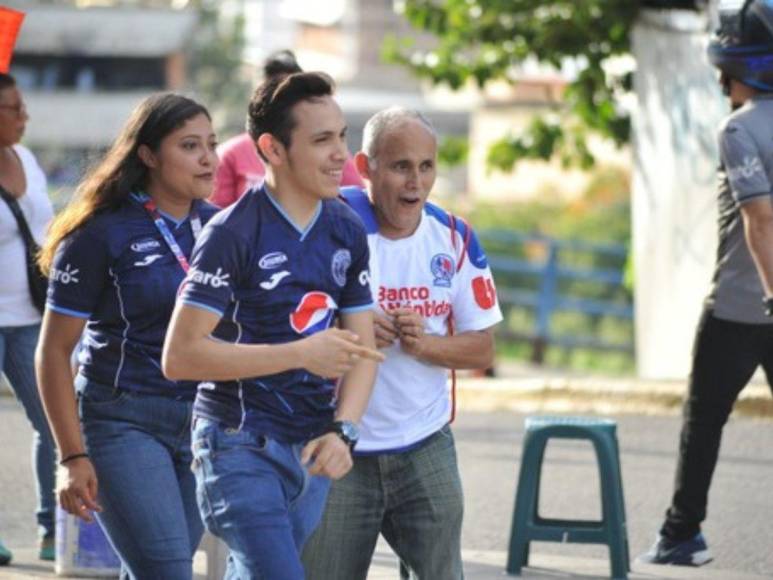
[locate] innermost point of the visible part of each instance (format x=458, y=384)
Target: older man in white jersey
x=436, y=308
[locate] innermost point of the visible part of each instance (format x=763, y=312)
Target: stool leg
x=622, y=502
x=612, y=502
x=526, y=502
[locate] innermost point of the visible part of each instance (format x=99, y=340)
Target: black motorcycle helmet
x=742, y=48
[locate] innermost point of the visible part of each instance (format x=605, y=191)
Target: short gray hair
x=388, y=119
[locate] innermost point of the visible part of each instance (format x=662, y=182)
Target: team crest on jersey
x=342, y=259
x=313, y=314
x=442, y=268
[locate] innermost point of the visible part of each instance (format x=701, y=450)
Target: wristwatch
x=346, y=430
x=768, y=302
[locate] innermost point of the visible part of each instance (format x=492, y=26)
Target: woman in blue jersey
x=116, y=256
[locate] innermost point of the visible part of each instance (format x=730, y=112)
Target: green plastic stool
x=527, y=524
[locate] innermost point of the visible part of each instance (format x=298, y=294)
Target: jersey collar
x=304, y=232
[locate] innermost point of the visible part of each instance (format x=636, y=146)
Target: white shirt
x=410, y=399
x=16, y=307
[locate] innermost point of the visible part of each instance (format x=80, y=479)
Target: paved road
x=738, y=528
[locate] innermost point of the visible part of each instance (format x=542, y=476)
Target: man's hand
x=410, y=327
x=330, y=455
x=385, y=330
x=333, y=352
x=78, y=494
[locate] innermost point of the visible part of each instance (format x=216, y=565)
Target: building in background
x=83, y=65
x=83, y=69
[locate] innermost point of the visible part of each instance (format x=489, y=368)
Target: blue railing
x=548, y=276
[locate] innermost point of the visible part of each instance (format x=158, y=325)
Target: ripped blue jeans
x=255, y=494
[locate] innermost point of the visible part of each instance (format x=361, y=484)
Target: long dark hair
x=121, y=171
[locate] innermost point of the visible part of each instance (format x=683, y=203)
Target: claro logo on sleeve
x=217, y=280
x=66, y=276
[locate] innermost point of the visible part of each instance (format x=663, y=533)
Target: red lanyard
x=150, y=206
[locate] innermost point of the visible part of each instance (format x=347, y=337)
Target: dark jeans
x=725, y=356
x=414, y=499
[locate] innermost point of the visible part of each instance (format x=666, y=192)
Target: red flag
x=10, y=22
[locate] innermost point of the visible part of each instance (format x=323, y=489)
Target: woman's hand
x=78, y=491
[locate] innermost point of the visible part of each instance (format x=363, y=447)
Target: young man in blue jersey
x=255, y=316
x=429, y=275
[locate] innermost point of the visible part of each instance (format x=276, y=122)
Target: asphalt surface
x=489, y=445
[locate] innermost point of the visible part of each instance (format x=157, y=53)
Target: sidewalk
x=479, y=565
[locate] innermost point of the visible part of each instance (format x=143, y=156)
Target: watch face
x=350, y=431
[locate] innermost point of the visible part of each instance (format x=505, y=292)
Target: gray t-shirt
x=745, y=174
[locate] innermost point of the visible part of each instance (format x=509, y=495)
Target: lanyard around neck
x=150, y=206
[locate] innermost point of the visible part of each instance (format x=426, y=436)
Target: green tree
x=216, y=58
x=485, y=40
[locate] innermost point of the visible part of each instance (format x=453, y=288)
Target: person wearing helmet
x=735, y=332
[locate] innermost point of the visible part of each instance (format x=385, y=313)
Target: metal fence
x=548, y=277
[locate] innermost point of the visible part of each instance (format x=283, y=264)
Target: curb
x=598, y=395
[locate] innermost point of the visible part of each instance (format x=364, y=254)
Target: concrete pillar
x=674, y=185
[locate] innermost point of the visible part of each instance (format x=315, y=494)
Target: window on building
x=88, y=74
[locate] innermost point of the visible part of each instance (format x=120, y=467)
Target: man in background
x=735, y=333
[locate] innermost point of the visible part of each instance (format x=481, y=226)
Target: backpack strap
x=460, y=261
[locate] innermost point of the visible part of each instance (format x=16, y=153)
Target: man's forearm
x=759, y=237
x=468, y=350
x=354, y=392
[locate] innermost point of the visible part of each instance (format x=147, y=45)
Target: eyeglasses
x=19, y=109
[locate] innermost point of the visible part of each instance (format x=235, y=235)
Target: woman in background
x=23, y=185
x=116, y=257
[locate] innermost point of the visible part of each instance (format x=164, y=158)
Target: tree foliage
x=487, y=40
x=216, y=57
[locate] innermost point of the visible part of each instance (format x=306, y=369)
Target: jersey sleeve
x=356, y=295
x=743, y=165
x=474, y=300
x=217, y=267
x=79, y=273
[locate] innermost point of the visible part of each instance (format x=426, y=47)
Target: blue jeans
x=254, y=494
x=17, y=356
x=413, y=498
x=140, y=447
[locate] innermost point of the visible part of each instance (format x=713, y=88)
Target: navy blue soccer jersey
x=272, y=283
x=118, y=272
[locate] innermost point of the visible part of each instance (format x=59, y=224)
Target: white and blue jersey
x=118, y=272
x=272, y=283
x=441, y=272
